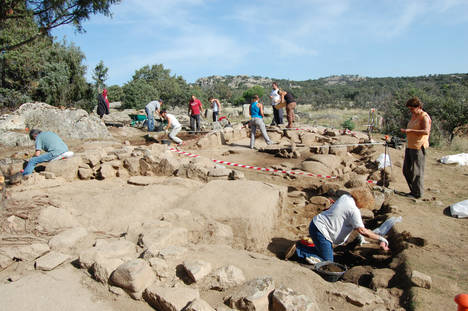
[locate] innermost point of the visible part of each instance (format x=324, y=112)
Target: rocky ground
x=128, y=223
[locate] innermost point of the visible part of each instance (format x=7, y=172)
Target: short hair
x=160, y=100
x=363, y=198
x=256, y=96
x=162, y=111
x=414, y=102
x=33, y=133
x=210, y=98
x=274, y=82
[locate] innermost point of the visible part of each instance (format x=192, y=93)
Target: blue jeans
x=323, y=247
x=46, y=157
x=150, y=117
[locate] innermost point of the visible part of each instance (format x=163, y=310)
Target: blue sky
x=295, y=39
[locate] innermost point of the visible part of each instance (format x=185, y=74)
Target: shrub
x=348, y=124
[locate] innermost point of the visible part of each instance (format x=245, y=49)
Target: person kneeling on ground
x=49, y=142
x=256, y=112
x=174, y=123
x=335, y=225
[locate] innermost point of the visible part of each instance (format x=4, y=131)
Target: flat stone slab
x=171, y=299
x=50, y=261
x=142, y=180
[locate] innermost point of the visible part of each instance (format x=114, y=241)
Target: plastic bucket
x=321, y=269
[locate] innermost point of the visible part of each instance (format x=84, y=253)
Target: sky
x=294, y=39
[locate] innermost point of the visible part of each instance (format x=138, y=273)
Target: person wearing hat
x=49, y=142
x=150, y=109
x=335, y=225
x=175, y=124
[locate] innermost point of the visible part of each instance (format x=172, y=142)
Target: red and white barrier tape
x=264, y=169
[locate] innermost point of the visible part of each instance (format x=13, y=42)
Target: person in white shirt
x=335, y=225
x=216, y=106
x=174, y=123
x=275, y=100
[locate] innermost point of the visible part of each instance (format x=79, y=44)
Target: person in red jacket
x=195, y=109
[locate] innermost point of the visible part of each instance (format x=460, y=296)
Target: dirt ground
x=444, y=251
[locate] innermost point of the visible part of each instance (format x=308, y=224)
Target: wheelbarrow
x=138, y=120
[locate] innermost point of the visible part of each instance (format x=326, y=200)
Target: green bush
x=348, y=124
x=12, y=99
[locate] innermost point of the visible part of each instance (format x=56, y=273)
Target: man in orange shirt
x=417, y=133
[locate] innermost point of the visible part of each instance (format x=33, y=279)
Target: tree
x=100, y=76
x=250, y=93
x=41, y=70
x=49, y=14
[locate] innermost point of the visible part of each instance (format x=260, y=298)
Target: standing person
x=49, y=142
x=103, y=104
x=195, y=109
x=256, y=113
x=216, y=106
x=417, y=133
x=174, y=123
x=150, y=109
x=335, y=225
x=290, y=105
x=275, y=100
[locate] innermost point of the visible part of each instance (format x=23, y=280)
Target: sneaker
x=290, y=252
x=313, y=260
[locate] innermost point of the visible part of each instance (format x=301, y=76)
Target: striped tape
x=263, y=169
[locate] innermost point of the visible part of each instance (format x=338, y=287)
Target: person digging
x=334, y=226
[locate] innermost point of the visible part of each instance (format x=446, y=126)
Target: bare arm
x=426, y=127
x=371, y=235
x=261, y=109
x=168, y=124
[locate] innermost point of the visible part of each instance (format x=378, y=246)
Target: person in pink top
x=195, y=109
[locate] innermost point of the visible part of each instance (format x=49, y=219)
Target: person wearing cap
x=195, y=109
x=334, y=226
x=150, y=109
x=175, y=124
x=49, y=142
x=417, y=134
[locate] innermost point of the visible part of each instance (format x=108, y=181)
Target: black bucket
x=330, y=276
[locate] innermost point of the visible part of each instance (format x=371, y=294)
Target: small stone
x=67, y=238
x=50, y=261
x=421, y=280
x=197, y=269
x=85, y=173
x=172, y=252
x=48, y=175
x=381, y=278
x=116, y=290
x=133, y=276
x=170, y=299
x=160, y=267
x=253, y=295
x=199, y=305
x=103, y=268
x=287, y=299
x=226, y=277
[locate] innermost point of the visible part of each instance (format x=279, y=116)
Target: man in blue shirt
x=49, y=142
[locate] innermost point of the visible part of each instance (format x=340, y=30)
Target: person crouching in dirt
x=256, y=113
x=174, y=123
x=49, y=142
x=335, y=225
x=417, y=133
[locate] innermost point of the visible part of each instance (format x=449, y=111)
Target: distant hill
x=344, y=90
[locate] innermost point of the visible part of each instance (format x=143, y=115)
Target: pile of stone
x=67, y=123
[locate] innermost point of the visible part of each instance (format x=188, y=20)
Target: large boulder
x=66, y=168
x=251, y=208
x=67, y=123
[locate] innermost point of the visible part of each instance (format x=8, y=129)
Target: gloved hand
x=383, y=243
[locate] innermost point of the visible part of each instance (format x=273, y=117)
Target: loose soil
x=435, y=243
